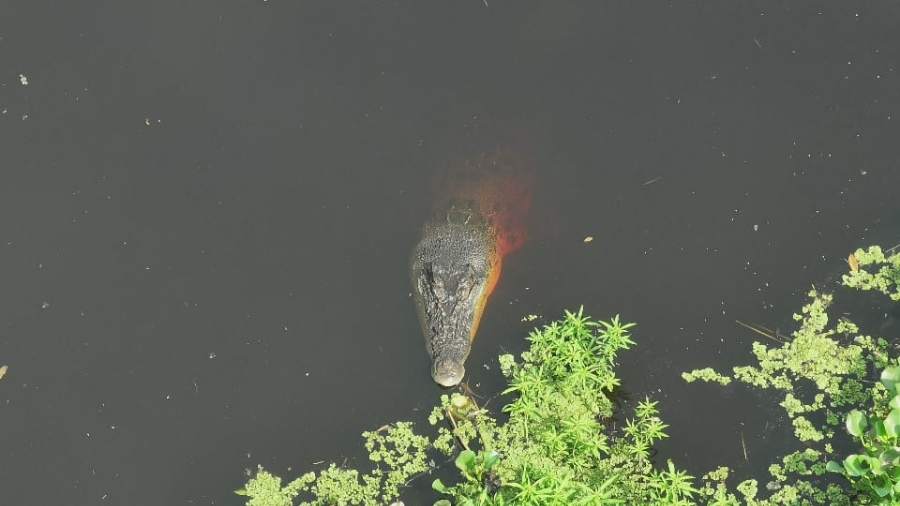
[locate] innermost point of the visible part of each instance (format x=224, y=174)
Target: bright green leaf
x=857, y=465
x=882, y=485
x=465, y=462
x=892, y=423
x=890, y=377
x=834, y=467
x=889, y=457
x=856, y=423
x=491, y=459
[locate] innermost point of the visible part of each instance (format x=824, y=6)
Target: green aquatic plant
x=557, y=446
x=825, y=375
x=875, y=471
x=396, y=452
x=707, y=374
x=871, y=269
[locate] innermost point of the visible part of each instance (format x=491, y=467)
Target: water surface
x=206, y=211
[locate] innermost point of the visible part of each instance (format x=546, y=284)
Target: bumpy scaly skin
x=452, y=270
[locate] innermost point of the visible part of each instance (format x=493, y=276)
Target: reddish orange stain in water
x=501, y=184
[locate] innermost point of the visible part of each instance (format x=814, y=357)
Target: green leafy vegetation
x=557, y=445
x=561, y=443
x=397, y=455
x=827, y=377
x=875, y=472
x=883, y=274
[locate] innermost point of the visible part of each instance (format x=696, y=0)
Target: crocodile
x=453, y=269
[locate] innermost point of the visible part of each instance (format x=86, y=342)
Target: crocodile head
x=453, y=269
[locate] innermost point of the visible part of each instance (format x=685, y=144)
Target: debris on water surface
x=853, y=262
x=23, y=79
x=588, y=239
x=744, y=446
x=461, y=406
x=45, y=305
x=3, y=370
x=212, y=355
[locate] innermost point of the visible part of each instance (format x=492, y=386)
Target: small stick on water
x=761, y=331
x=453, y=422
x=467, y=390
x=744, y=446
x=651, y=181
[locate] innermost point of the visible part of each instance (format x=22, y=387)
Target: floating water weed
x=553, y=450
x=837, y=361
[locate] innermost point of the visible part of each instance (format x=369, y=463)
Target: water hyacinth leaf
x=491, y=459
x=834, y=467
x=890, y=457
x=875, y=466
x=438, y=486
x=857, y=423
x=879, y=429
x=892, y=423
x=882, y=485
x=443, y=502
x=856, y=465
x=890, y=376
x=465, y=462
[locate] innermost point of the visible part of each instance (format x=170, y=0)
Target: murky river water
x=206, y=211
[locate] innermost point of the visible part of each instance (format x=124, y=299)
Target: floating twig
x=744, y=446
x=759, y=329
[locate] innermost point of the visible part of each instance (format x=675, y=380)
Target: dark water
x=206, y=210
